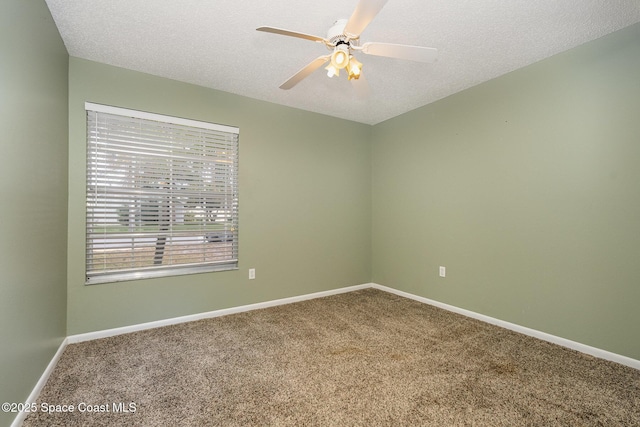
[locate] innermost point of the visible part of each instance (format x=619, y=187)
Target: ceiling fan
x=343, y=39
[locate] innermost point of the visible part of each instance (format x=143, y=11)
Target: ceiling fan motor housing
x=336, y=35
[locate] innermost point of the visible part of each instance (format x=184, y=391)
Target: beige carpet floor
x=365, y=358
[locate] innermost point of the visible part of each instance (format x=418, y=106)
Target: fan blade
x=292, y=34
x=361, y=87
x=365, y=11
x=401, y=51
x=304, y=72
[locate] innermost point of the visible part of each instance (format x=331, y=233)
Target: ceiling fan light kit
x=340, y=56
x=344, y=37
x=331, y=71
x=354, y=67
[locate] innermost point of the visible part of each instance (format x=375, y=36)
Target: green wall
x=305, y=202
x=527, y=188
x=33, y=193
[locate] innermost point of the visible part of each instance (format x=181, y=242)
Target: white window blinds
x=162, y=195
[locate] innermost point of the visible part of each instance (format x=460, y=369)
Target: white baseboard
x=583, y=348
x=593, y=351
x=17, y=421
x=72, y=339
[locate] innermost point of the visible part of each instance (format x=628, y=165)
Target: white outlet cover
x=443, y=271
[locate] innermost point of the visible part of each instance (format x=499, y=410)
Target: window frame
x=230, y=194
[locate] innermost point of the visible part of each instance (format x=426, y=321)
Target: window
x=162, y=195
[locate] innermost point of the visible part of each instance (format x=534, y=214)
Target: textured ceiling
x=213, y=43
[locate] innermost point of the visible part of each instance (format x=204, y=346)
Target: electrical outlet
x=252, y=273
x=443, y=271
